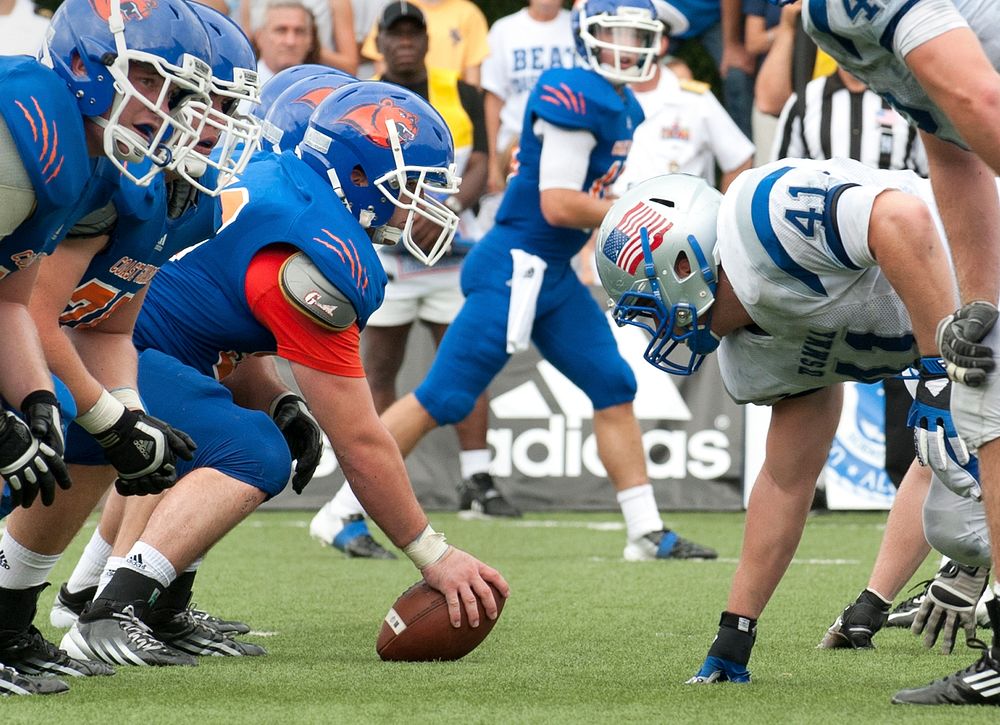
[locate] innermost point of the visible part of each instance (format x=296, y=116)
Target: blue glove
x=716, y=669
x=935, y=438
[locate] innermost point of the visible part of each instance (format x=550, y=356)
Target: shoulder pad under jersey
x=574, y=98
x=304, y=286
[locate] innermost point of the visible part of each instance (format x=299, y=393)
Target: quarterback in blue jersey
x=518, y=282
x=801, y=277
x=291, y=273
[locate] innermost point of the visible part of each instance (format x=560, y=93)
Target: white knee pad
x=956, y=526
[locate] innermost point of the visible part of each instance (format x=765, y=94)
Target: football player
x=802, y=278
x=909, y=53
x=292, y=272
x=115, y=88
x=518, y=282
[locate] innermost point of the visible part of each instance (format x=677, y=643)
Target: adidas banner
x=543, y=446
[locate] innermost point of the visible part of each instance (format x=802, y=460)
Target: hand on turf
x=302, y=434
x=717, y=669
x=949, y=605
x=463, y=579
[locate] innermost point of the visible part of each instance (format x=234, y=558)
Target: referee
x=837, y=116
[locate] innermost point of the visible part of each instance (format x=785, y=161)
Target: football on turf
x=417, y=628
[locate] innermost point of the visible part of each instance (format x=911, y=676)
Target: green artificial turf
x=585, y=637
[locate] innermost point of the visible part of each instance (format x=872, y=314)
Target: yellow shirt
x=456, y=35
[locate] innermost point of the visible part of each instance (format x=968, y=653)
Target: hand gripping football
x=417, y=628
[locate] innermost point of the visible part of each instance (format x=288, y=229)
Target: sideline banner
x=543, y=445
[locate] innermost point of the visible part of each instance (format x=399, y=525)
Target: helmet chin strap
x=123, y=148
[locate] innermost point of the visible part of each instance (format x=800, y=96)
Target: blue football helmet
x=618, y=39
x=280, y=81
x=286, y=122
x=657, y=259
x=102, y=37
x=383, y=147
x=234, y=80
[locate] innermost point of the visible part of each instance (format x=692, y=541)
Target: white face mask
x=622, y=47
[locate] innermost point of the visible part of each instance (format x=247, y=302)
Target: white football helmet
x=618, y=38
x=658, y=261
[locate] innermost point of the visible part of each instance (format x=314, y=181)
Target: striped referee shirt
x=828, y=121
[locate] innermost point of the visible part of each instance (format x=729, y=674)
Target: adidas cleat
x=13, y=682
x=68, y=606
x=478, y=497
x=185, y=633
x=118, y=637
x=226, y=626
x=349, y=535
x=857, y=624
x=904, y=613
x=977, y=684
x=665, y=544
x=31, y=654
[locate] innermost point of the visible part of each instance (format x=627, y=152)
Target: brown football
x=417, y=628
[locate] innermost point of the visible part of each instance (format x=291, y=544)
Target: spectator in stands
x=522, y=45
x=286, y=38
x=414, y=292
x=333, y=26
x=686, y=130
x=456, y=31
x=22, y=27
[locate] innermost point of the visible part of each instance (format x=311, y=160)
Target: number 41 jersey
x=793, y=241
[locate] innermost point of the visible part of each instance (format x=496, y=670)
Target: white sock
x=473, y=462
x=88, y=570
x=639, y=509
x=110, y=567
x=193, y=566
x=345, y=503
x=144, y=559
x=21, y=568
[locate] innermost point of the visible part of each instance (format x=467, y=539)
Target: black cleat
x=185, y=633
x=666, y=544
x=31, y=654
x=68, y=606
x=478, y=497
x=977, y=684
x=225, y=626
x=13, y=682
x=904, y=613
x=857, y=624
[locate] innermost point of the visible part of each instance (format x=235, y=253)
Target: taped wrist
x=129, y=397
x=104, y=414
x=45, y=397
x=428, y=548
x=735, y=639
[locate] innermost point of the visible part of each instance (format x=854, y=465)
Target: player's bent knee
x=447, y=408
x=253, y=452
x=950, y=532
x=618, y=388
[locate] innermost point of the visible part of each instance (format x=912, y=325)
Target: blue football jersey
x=574, y=98
x=47, y=128
x=144, y=238
x=196, y=308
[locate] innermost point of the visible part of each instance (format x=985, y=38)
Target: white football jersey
x=871, y=39
x=521, y=49
x=793, y=241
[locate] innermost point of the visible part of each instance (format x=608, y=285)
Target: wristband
x=104, y=414
x=129, y=397
x=428, y=548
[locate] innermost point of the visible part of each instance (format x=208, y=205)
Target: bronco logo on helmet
x=131, y=9
x=314, y=97
x=371, y=119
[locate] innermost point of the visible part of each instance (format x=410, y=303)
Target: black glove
x=29, y=466
x=41, y=410
x=144, y=450
x=959, y=336
x=303, y=435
